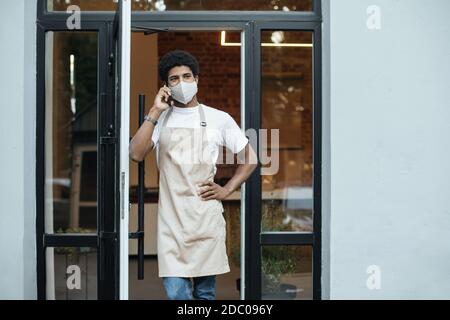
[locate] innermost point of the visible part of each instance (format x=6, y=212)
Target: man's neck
x=192, y=103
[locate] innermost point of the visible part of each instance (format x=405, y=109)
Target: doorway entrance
x=263, y=68
x=219, y=87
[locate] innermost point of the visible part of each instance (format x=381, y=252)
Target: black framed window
x=284, y=239
x=68, y=87
x=103, y=10
x=287, y=112
x=71, y=273
x=71, y=107
x=71, y=182
x=287, y=272
x=187, y=5
x=268, y=232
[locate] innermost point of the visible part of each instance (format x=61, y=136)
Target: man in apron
x=187, y=136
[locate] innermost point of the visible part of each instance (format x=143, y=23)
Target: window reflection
x=286, y=272
x=286, y=86
x=71, y=132
x=71, y=273
x=194, y=5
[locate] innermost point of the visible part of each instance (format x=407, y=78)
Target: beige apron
x=191, y=231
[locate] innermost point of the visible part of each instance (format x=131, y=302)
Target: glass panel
x=71, y=273
x=229, y=284
x=286, y=272
x=169, y=5
x=71, y=132
x=286, y=88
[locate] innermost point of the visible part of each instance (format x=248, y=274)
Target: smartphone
x=169, y=100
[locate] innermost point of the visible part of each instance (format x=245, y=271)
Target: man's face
x=180, y=73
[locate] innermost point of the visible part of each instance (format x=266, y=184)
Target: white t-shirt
x=222, y=129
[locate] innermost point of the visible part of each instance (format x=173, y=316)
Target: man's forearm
x=142, y=140
x=243, y=171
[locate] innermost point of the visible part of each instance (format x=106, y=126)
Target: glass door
x=78, y=207
x=150, y=41
x=283, y=208
x=122, y=59
x=279, y=228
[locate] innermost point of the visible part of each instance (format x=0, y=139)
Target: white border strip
x=125, y=35
x=243, y=185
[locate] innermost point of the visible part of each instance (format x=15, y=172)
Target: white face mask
x=184, y=91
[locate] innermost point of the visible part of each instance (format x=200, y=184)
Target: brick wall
x=220, y=67
x=286, y=91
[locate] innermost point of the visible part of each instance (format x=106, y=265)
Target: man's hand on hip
x=210, y=190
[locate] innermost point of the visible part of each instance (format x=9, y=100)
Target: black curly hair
x=176, y=58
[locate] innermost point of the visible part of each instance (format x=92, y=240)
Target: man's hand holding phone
x=163, y=99
x=141, y=143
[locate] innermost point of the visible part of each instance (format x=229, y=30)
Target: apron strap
x=202, y=116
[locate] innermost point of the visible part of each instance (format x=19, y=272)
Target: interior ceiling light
x=224, y=43
x=277, y=37
x=160, y=5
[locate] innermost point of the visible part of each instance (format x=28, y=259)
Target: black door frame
x=256, y=237
x=106, y=240
x=249, y=22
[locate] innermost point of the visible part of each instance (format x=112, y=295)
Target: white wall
x=17, y=145
x=389, y=157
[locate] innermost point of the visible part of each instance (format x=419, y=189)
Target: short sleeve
x=232, y=136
